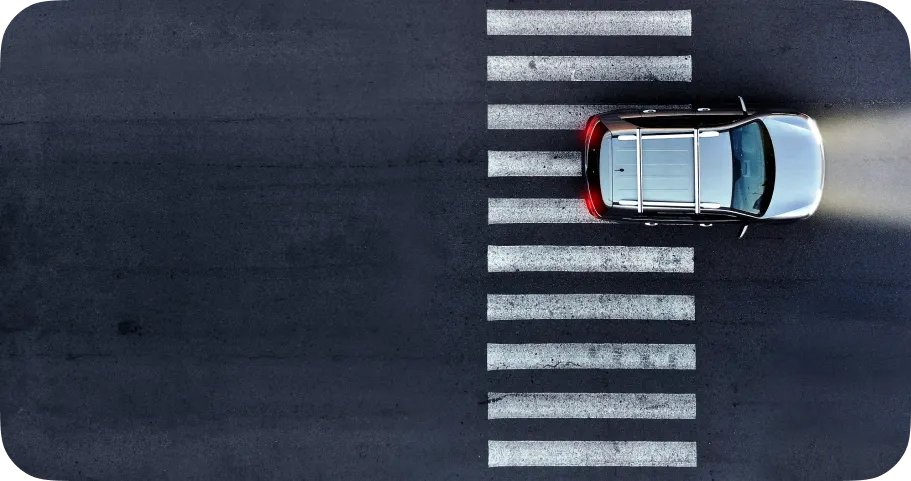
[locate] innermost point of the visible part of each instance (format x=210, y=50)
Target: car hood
x=799, y=167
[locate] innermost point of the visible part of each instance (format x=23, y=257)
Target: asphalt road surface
x=253, y=240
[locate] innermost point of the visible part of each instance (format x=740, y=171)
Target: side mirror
x=743, y=231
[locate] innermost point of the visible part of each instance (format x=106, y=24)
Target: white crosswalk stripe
x=534, y=164
x=590, y=23
x=539, y=211
x=511, y=307
x=589, y=69
x=592, y=453
x=554, y=117
x=590, y=406
x=542, y=258
x=590, y=356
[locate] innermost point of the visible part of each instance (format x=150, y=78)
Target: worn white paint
x=590, y=406
x=510, y=307
x=534, y=164
x=589, y=69
x=590, y=22
x=591, y=453
x=591, y=356
x=539, y=211
x=589, y=259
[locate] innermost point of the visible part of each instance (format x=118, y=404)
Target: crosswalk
x=504, y=261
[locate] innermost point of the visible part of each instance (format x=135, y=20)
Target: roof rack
x=694, y=134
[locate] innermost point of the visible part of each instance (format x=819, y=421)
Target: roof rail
x=652, y=203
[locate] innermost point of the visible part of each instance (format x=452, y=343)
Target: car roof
x=651, y=170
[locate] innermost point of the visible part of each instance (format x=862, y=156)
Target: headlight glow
x=815, y=129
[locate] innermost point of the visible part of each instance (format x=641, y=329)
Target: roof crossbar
x=696, y=169
x=639, y=170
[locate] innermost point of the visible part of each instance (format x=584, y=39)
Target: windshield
x=753, y=168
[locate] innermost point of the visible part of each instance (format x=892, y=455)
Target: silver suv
x=703, y=166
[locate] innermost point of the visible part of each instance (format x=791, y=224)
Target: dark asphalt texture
x=247, y=240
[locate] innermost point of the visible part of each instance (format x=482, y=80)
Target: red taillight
x=589, y=127
x=590, y=204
